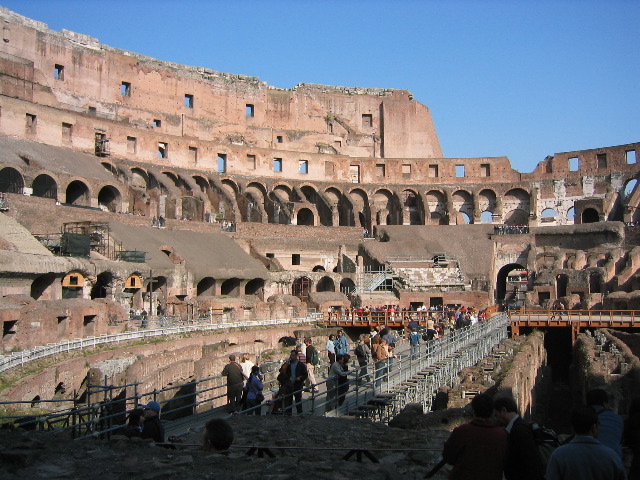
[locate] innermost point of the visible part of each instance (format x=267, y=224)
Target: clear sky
x=519, y=78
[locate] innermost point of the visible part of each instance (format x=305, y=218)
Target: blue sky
x=519, y=78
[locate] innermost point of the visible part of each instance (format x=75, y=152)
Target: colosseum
x=130, y=183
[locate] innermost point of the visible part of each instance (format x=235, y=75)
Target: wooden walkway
x=577, y=320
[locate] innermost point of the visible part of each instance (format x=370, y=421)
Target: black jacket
x=523, y=458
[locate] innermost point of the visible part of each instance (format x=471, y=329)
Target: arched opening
x=562, y=281
x=347, y=286
x=571, y=215
x=590, y=215
x=45, y=187
x=318, y=268
x=231, y=287
x=11, y=180
x=41, y=286
x=437, y=204
x=326, y=284
x=301, y=288
x=517, y=217
x=77, y=193
x=511, y=285
x=255, y=287
x=72, y=285
x=206, y=286
x=548, y=215
x=629, y=188
x=102, y=285
x=109, y=198
x=305, y=217
x=411, y=207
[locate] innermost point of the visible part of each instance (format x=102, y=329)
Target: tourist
x=253, y=390
x=414, y=341
x=391, y=339
x=217, y=436
x=331, y=349
x=133, y=428
x=313, y=361
x=246, y=365
x=302, y=356
x=363, y=355
x=523, y=460
x=584, y=457
x=343, y=380
x=380, y=354
x=342, y=346
x=152, y=425
x=611, y=425
x=477, y=449
x=235, y=382
x=336, y=372
x=291, y=378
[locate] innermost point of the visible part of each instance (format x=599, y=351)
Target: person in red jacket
x=477, y=449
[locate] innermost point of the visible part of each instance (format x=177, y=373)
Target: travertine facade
x=293, y=177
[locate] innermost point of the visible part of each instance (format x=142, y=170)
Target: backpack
x=314, y=359
x=546, y=440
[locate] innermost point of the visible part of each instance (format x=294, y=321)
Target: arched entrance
x=590, y=215
x=305, y=217
x=11, y=180
x=44, y=186
x=301, y=288
x=511, y=288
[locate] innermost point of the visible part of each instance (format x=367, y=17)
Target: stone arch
x=517, y=205
x=629, y=187
x=463, y=205
x=111, y=168
x=45, y=186
x=11, y=180
x=305, y=217
x=360, y=216
x=347, y=286
x=281, y=198
x=301, y=288
x=486, y=216
x=326, y=284
x=231, y=287
x=548, y=216
x=384, y=208
x=77, y=193
x=102, y=286
x=562, y=283
x=437, y=207
x=337, y=208
x=487, y=201
x=42, y=286
x=412, y=209
x=310, y=194
x=255, y=287
x=571, y=215
x=501, y=281
x=318, y=268
x=230, y=186
x=255, y=198
x=110, y=197
x=206, y=286
x=73, y=284
x=590, y=215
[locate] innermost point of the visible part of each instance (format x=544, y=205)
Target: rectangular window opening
x=485, y=170
x=380, y=169
x=601, y=160
x=279, y=139
x=277, y=164
x=132, y=144
x=251, y=162
x=574, y=164
x=58, y=72
x=163, y=150
x=338, y=143
x=295, y=259
x=125, y=89
x=367, y=120
x=157, y=123
x=433, y=171
x=193, y=154
x=188, y=100
x=8, y=328
x=32, y=121
x=249, y=110
x=631, y=157
x=460, y=171
x=92, y=111
x=66, y=131
x=406, y=169
x=304, y=166
x=271, y=255
x=222, y=163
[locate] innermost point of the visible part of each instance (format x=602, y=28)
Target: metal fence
x=102, y=409
x=156, y=326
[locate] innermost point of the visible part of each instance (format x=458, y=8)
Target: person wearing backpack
x=312, y=360
x=523, y=460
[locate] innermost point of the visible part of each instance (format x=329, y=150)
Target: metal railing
x=102, y=409
x=17, y=359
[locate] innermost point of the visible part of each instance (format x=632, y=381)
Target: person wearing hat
x=152, y=426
